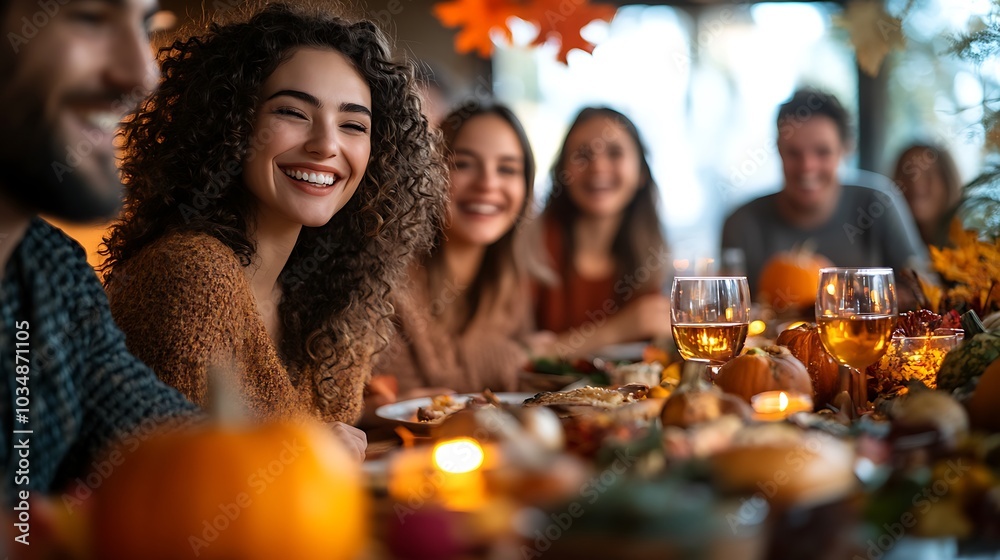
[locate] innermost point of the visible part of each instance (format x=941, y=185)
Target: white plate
x=627, y=352
x=403, y=413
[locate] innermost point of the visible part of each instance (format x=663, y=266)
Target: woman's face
x=487, y=181
x=602, y=167
x=923, y=186
x=312, y=137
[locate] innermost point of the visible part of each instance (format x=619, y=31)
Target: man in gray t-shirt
x=849, y=225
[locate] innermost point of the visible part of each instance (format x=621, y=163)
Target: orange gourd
x=772, y=368
x=789, y=280
x=983, y=405
x=696, y=401
x=272, y=491
x=804, y=343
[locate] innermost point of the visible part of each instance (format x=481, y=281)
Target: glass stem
x=855, y=382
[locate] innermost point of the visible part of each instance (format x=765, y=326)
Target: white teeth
x=104, y=120
x=310, y=177
x=481, y=208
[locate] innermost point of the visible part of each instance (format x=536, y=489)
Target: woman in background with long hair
x=601, y=227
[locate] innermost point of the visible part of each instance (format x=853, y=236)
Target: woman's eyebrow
x=300, y=95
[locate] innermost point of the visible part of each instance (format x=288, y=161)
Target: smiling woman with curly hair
x=278, y=183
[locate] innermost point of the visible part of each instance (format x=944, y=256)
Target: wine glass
x=856, y=312
x=709, y=316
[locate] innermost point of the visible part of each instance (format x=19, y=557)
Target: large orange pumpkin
x=772, y=368
x=789, y=280
x=273, y=491
x=804, y=343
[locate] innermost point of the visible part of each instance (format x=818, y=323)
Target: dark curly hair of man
x=182, y=167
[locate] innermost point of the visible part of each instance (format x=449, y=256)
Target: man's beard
x=35, y=172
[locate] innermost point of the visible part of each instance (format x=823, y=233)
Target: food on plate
x=596, y=397
x=786, y=465
x=641, y=373
x=593, y=370
x=443, y=406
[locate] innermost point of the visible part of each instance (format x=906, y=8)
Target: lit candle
x=756, y=327
x=459, y=462
x=450, y=474
x=772, y=406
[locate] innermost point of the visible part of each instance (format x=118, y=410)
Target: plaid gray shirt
x=84, y=389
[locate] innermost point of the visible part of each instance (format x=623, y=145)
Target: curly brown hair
x=184, y=149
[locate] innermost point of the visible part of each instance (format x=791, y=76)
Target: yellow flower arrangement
x=971, y=271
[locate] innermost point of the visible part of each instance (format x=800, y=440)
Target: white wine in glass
x=856, y=311
x=709, y=318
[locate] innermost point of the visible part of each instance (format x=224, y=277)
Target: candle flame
x=782, y=401
x=831, y=288
x=756, y=327
x=460, y=455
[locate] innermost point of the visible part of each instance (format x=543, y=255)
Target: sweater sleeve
x=120, y=398
x=174, y=303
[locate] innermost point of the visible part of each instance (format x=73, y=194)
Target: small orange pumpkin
x=789, y=280
x=983, y=409
x=279, y=490
x=804, y=343
x=772, y=368
x=696, y=401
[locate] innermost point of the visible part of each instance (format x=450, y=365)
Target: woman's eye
x=356, y=127
x=509, y=171
x=93, y=18
x=289, y=112
x=461, y=164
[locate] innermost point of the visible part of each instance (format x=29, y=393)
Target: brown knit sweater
x=186, y=306
x=485, y=355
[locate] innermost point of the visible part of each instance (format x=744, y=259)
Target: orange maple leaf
x=563, y=20
x=477, y=18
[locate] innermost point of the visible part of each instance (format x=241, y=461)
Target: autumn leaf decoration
x=873, y=32
x=559, y=20
x=971, y=271
x=477, y=18
x=563, y=20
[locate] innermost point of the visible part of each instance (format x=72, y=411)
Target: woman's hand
x=355, y=441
